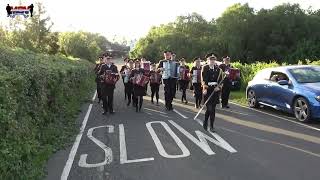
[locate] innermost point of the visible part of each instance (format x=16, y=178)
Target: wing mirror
x=284, y=82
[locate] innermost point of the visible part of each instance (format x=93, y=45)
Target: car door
x=280, y=94
x=261, y=82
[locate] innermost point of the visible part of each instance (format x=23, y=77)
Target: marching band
x=208, y=82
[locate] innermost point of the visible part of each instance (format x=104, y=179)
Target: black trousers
x=107, y=97
x=138, y=101
x=211, y=108
x=225, y=93
x=125, y=91
x=129, y=92
x=197, y=93
x=169, y=90
x=154, y=91
x=183, y=86
x=99, y=91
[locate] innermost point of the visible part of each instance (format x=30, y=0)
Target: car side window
x=263, y=75
x=278, y=76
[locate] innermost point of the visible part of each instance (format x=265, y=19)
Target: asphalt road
x=157, y=144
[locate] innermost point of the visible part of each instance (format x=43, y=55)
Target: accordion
x=155, y=78
x=111, y=78
x=127, y=73
x=183, y=73
x=146, y=67
x=234, y=74
x=196, y=76
x=140, y=80
x=170, y=69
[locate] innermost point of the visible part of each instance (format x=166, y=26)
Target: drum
x=234, y=74
x=140, y=80
x=127, y=73
x=110, y=78
x=155, y=78
x=183, y=73
x=196, y=76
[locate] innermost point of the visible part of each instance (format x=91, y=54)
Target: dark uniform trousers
x=107, y=97
x=183, y=86
x=225, y=92
x=169, y=90
x=129, y=92
x=197, y=93
x=211, y=107
x=154, y=91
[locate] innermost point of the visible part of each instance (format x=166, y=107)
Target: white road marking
x=155, y=111
x=280, y=117
x=163, y=115
x=107, y=150
x=233, y=111
x=162, y=151
x=176, y=111
x=123, y=149
x=272, y=142
x=202, y=140
x=149, y=113
x=67, y=167
x=94, y=96
x=180, y=114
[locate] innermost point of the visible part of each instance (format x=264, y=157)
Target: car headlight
x=318, y=98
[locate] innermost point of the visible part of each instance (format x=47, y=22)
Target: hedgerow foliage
x=39, y=97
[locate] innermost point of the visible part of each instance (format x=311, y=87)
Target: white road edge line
x=176, y=111
x=307, y=126
x=67, y=167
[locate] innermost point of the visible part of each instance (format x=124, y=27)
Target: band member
x=109, y=72
x=212, y=77
x=195, y=74
x=155, y=81
x=127, y=83
x=227, y=83
x=123, y=67
x=173, y=58
x=138, y=90
x=8, y=8
x=98, y=79
x=144, y=60
x=184, y=79
x=169, y=79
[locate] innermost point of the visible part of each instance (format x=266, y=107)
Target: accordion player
x=170, y=69
x=140, y=80
x=110, y=77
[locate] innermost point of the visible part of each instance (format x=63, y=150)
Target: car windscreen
x=306, y=74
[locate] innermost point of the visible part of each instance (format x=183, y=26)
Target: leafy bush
x=39, y=98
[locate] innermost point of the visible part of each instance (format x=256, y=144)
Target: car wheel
x=252, y=99
x=301, y=110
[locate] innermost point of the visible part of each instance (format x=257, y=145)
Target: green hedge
x=39, y=98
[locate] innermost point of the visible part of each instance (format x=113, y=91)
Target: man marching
x=227, y=83
x=127, y=83
x=212, y=77
x=98, y=79
x=139, y=89
x=169, y=78
x=155, y=81
x=109, y=72
x=123, y=67
x=184, y=79
x=195, y=74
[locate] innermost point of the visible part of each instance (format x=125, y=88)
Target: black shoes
x=104, y=112
x=226, y=107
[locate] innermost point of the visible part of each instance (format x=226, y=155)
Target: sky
x=132, y=19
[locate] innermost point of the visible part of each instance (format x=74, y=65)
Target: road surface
x=157, y=144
